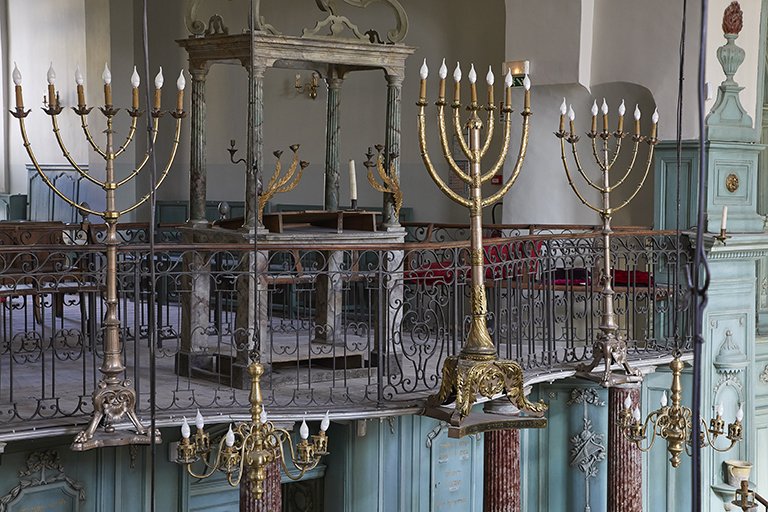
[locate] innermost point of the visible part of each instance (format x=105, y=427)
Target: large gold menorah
x=609, y=347
x=113, y=399
x=477, y=368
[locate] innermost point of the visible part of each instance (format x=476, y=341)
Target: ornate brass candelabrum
x=674, y=422
x=609, y=347
x=113, y=398
x=477, y=368
x=390, y=184
x=252, y=445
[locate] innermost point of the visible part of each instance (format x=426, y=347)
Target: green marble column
x=392, y=143
x=255, y=166
x=332, y=142
x=197, y=170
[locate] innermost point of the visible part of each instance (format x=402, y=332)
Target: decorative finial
x=733, y=19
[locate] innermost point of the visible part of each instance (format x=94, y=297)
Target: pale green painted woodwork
x=665, y=185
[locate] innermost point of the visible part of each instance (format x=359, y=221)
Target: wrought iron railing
x=342, y=327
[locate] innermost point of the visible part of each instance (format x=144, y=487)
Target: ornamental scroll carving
x=334, y=25
x=42, y=462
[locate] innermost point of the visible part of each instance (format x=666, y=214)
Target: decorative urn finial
x=733, y=19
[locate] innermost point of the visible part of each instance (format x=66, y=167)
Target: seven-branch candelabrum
x=390, y=183
x=609, y=348
x=477, y=368
x=674, y=423
x=114, y=398
x=252, y=445
x=278, y=184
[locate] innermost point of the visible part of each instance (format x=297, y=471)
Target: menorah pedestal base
x=464, y=378
x=611, y=352
x=116, y=438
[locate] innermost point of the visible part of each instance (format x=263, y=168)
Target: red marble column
x=625, y=477
x=501, y=472
x=271, y=500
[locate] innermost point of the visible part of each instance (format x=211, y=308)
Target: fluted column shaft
x=254, y=160
x=332, y=142
x=501, y=474
x=392, y=143
x=271, y=500
x=625, y=477
x=197, y=165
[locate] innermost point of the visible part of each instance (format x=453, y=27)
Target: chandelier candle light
x=674, y=423
x=609, y=347
x=477, y=368
x=113, y=398
x=253, y=445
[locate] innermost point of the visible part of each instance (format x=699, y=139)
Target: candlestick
x=527, y=96
x=51, y=89
x=423, y=73
x=158, y=86
x=563, y=111
x=16, y=75
x=107, y=77
x=489, y=79
x=604, y=110
x=508, y=80
x=352, y=181
x=457, y=83
x=135, y=81
x=622, y=110
x=637, y=120
x=572, y=117
x=472, y=75
x=724, y=220
x=594, y=116
x=655, y=120
x=443, y=73
x=180, y=84
x=79, y=82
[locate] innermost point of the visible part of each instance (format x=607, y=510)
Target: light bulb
x=326, y=421
x=199, y=421
x=443, y=70
x=637, y=113
x=304, y=429
x=663, y=400
x=185, y=429
x=594, y=108
x=489, y=78
x=457, y=73
x=424, y=71
x=604, y=107
x=655, y=116
x=563, y=108
x=135, y=80
x=622, y=108
x=16, y=75
x=636, y=414
x=263, y=416
x=51, y=75
x=230, y=439
x=180, y=82
x=628, y=402
x=720, y=409
x=159, y=79
x=508, y=80
x=79, y=76
x=527, y=83
x=740, y=414
x=106, y=75
x=571, y=114
x=472, y=75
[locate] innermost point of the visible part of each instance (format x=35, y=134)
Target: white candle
x=326, y=421
x=185, y=429
x=352, y=181
x=230, y=438
x=725, y=217
x=304, y=430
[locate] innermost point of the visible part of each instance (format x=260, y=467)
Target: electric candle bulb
x=604, y=110
x=107, y=77
x=79, y=81
x=16, y=75
x=442, y=73
x=457, y=73
x=636, y=415
x=622, y=109
x=472, y=75
x=594, y=116
x=664, y=399
x=199, y=422
x=304, y=430
x=489, y=79
x=628, y=402
x=135, y=81
x=740, y=414
x=571, y=117
x=51, y=89
x=185, y=429
x=720, y=409
x=563, y=111
x=456, y=85
x=527, y=83
x=508, y=80
x=637, y=120
x=655, y=119
x=180, y=84
x=326, y=421
x=263, y=416
x=158, y=86
x=51, y=75
x=423, y=73
x=230, y=439
x=424, y=70
x=527, y=96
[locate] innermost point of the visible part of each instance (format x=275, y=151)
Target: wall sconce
x=310, y=87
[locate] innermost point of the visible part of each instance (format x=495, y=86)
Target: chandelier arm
x=629, y=169
x=45, y=178
x=578, y=165
x=504, y=148
x=69, y=158
x=490, y=108
x=570, y=179
x=459, y=135
x=428, y=164
x=89, y=138
x=129, y=138
x=204, y=458
x=283, y=435
x=518, y=165
x=446, y=147
x=143, y=162
x=165, y=171
x=647, y=168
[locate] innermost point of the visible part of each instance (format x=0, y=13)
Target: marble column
x=501, y=473
x=392, y=143
x=625, y=477
x=255, y=143
x=197, y=168
x=271, y=500
x=330, y=300
x=332, y=140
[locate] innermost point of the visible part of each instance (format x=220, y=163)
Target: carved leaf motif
x=733, y=19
